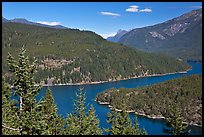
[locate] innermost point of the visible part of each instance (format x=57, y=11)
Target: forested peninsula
x=154, y=101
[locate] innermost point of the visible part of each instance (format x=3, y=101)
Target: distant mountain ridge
x=179, y=37
x=24, y=21
x=4, y=20
x=117, y=36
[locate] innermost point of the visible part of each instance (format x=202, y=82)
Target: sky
x=104, y=18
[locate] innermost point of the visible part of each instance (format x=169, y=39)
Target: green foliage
x=9, y=119
x=52, y=122
x=93, y=121
x=31, y=117
x=82, y=123
x=98, y=59
x=26, y=91
x=122, y=124
x=174, y=122
x=23, y=84
x=28, y=117
x=155, y=100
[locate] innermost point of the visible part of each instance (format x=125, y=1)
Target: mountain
x=118, y=35
x=4, y=20
x=24, y=21
x=59, y=27
x=74, y=56
x=21, y=20
x=179, y=37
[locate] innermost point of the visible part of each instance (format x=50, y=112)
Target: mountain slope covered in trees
x=74, y=56
x=179, y=37
x=24, y=115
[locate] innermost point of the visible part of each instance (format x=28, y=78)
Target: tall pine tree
x=174, y=122
x=26, y=116
x=10, y=121
x=52, y=122
x=25, y=89
x=82, y=122
x=122, y=124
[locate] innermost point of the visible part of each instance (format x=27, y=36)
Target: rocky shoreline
x=100, y=82
x=142, y=113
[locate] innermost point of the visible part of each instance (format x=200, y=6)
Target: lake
x=64, y=96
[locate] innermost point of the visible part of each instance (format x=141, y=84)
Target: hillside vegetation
x=74, y=56
x=26, y=116
x=155, y=100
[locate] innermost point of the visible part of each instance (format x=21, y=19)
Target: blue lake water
x=64, y=96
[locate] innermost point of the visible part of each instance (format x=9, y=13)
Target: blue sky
x=104, y=18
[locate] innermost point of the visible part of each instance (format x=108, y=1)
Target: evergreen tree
x=26, y=91
x=53, y=124
x=81, y=122
x=174, y=122
x=93, y=123
x=29, y=117
x=122, y=124
x=10, y=122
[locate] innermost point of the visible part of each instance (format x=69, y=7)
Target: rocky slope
x=180, y=37
x=117, y=36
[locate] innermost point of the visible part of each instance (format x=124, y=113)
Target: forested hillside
x=24, y=115
x=74, y=56
x=155, y=100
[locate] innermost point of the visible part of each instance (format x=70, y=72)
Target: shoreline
x=101, y=82
x=141, y=114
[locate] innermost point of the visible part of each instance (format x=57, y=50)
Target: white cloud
x=135, y=8
x=110, y=14
x=146, y=10
x=132, y=8
x=49, y=23
x=108, y=35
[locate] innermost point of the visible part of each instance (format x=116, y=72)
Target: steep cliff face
x=180, y=37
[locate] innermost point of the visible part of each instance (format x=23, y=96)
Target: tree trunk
x=21, y=108
x=21, y=103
